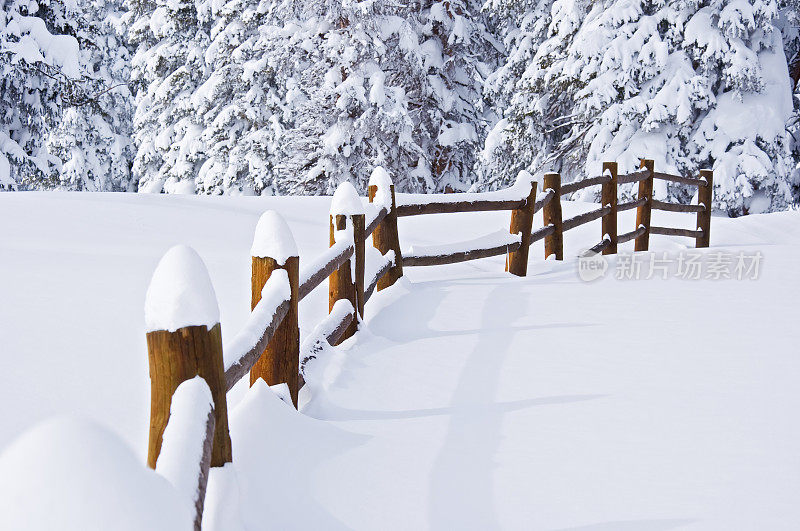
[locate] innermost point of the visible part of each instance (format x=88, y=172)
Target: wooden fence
x=268, y=346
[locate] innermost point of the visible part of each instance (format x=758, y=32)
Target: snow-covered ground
x=469, y=399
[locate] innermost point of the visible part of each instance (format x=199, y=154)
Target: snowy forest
x=281, y=97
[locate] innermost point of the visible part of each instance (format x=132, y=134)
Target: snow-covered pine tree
x=790, y=27
x=535, y=110
x=456, y=34
x=91, y=138
x=36, y=66
x=171, y=37
x=690, y=84
x=384, y=84
x=64, y=101
x=240, y=105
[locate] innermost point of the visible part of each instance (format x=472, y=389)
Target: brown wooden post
x=341, y=283
x=274, y=248
x=522, y=222
x=359, y=225
x=347, y=213
x=609, y=198
x=554, y=243
x=180, y=354
x=642, y=243
x=385, y=237
x=705, y=196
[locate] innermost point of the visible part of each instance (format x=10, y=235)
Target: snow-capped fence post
x=347, y=220
x=184, y=340
x=385, y=237
x=609, y=198
x=642, y=243
x=705, y=197
x=188, y=439
x=274, y=248
x=554, y=243
x=522, y=222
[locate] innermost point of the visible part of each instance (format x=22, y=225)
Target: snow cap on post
x=524, y=180
x=380, y=178
x=383, y=184
x=346, y=201
x=273, y=239
x=180, y=293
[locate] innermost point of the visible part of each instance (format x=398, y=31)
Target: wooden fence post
x=609, y=198
x=642, y=243
x=347, y=282
x=522, y=222
x=554, y=243
x=184, y=340
x=385, y=237
x=359, y=238
x=705, y=196
x=274, y=248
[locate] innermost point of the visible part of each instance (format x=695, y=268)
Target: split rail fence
x=268, y=346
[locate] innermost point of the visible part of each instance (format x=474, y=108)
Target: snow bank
x=184, y=437
x=346, y=201
x=180, y=293
x=280, y=487
x=273, y=238
x=70, y=474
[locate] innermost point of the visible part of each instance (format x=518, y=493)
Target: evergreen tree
x=170, y=37
x=92, y=137
x=37, y=67
x=790, y=27
x=240, y=105
x=63, y=99
x=386, y=84
x=690, y=84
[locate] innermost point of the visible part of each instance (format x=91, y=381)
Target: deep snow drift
x=469, y=399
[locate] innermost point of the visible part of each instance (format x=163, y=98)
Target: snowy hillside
x=469, y=399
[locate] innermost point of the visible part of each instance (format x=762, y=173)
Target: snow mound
x=264, y=425
x=273, y=238
x=346, y=201
x=184, y=437
x=180, y=293
x=70, y=474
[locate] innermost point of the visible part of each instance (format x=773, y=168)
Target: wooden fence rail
x=189, y=347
